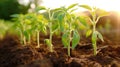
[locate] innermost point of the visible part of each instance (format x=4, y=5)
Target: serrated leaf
x=86, y=7
x=65, y=39
x=100, y=36
x=71, y=6
x=75, y=39
x=88, y=33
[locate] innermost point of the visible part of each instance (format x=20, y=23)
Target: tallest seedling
x=67, y=21
x=96, y=15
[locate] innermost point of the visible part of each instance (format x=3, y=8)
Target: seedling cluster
x=61, y=20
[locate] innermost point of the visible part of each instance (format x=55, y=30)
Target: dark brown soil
x=13, y=54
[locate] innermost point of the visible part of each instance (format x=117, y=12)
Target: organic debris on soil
x=13, y=54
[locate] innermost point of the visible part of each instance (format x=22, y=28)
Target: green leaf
x=73, y=10
x=55, y=27
x=100, y=36
x=86, y=7
x=15, y=15
x=94, y=37
x=88, y=33
x=82, y=21
x=47, y=41
x=61, y=17
x=65, y=39
x=60, y=20
x=40, y=8
x=71, y=6
x=75, y=39
x=102, y=13
x=62, y=27
x=26, y=34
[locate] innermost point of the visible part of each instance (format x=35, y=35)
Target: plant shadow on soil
x=13, y=54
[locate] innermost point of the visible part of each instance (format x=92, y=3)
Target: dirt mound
x=13, y=54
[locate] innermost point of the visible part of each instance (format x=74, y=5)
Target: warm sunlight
x=109, y=5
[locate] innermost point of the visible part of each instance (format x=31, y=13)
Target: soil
x=13, y=54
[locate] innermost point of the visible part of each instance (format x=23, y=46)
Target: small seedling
x=67, y=23
x=95, y=18
x=52, y=27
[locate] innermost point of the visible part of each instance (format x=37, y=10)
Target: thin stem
x=94, y=44
x=50, y=28
x=51, y=46
x=95, y=48
x=38, y=42
x=21, y=38
x=29, y=40
x=24, y=40
x=94, y=29
x=69, y=39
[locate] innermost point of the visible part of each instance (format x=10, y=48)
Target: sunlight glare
x=108, y=5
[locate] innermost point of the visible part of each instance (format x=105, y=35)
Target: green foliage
x=65, y=39
x=75, y=39
x=88, y=33
x=95, y=34
x=28, y=25
x=67, y=23
x=9, y=7
x=4, y=27
x=47, y=41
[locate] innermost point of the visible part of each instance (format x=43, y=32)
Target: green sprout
x=40, y=26
x=67, y=22
x=20, y=26
x=23, y=25
x=52, y=26
x=39, y=23
x=96, y=15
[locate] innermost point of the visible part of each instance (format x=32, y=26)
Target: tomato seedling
x=96, y=15
x=67, y=22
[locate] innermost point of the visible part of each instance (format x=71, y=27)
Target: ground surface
x=13, y=54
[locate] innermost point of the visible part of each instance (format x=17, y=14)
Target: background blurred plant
x=4, y=27
x=10, y=7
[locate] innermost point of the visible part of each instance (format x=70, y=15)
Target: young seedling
x=40, y=26
x=23, y=25
x=95, y=18
x=20, y=26
x=39, y=23
x=52, y=27
x=67, y=22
